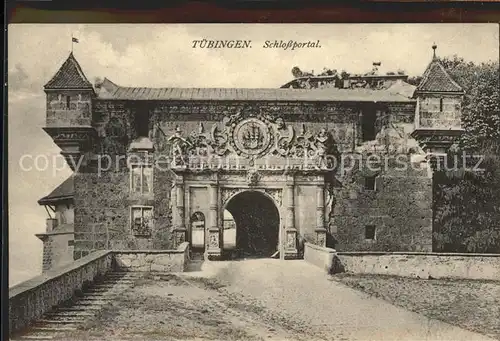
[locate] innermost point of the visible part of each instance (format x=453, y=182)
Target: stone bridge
x=55, y=305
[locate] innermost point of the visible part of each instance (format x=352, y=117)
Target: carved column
x=289, y=242
x=213, y=248
x=320, y=216
x=178, y=214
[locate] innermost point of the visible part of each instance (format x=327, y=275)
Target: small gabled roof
x=69, y=76
x=437, y=79
x=64, y=191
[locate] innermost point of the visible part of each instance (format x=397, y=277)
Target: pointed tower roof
x=437, y=79
x=69, y=76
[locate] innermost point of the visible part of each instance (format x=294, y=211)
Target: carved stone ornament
x=276, y=194
x=214, y=240
x=227, y=193
x=250, y=133
x=253, y=177
x=290, y=240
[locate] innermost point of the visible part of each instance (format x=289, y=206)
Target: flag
x=74, y=40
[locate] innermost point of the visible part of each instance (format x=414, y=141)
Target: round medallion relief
x=251, y=136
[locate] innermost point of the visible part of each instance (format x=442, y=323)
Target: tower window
x=370, y=232
x=68, y=102
x=370, y=182
x=441, y=105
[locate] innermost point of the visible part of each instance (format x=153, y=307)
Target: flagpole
x=72, y=42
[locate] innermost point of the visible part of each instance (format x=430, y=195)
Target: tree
x=467, y=204
x=481, y=106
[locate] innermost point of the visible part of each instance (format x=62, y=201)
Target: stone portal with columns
x=251, y=151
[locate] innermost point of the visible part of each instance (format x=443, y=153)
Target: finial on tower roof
x=434, y=47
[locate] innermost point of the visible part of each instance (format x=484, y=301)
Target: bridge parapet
x=31, y=299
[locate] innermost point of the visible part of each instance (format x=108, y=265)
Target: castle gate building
x=252, y=172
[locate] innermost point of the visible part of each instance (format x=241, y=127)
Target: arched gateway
x=256, y=224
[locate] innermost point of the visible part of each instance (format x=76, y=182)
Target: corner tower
x=438, y=110
x=69, y=111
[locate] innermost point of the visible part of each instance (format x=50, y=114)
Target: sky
x=163, y=56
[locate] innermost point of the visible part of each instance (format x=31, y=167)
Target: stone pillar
x=320, y=216
x=213, y=248
x=178, y=214
x=289, y=242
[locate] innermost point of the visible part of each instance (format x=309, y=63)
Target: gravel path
x=301, y=299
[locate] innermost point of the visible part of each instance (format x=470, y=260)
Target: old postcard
x=254, y=182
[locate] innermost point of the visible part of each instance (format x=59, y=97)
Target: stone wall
x=102, y=212
x=423, y=265
x=322, y=257
x=400, y=209
x=78, y=113
x=153, y=261
x=58, y=249
x=431, y=115
x=406, y=264
x=29, y=300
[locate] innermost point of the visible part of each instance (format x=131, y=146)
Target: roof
x=64, y=191
x=109, y=90
x=69, y=76
x=437, y=79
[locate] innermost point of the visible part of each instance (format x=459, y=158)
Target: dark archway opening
x=257, y=224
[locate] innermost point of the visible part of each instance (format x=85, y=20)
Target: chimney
x=97, y=82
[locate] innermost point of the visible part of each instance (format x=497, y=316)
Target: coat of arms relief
x=251, y=133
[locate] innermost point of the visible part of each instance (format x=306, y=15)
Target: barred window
x=142, y=220
x=141, y=178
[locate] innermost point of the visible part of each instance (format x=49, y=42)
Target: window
x=441, y=105
x=141, y=220
x=370, y=182
x=141, y=178
x=68, y=102
x=370, y=232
